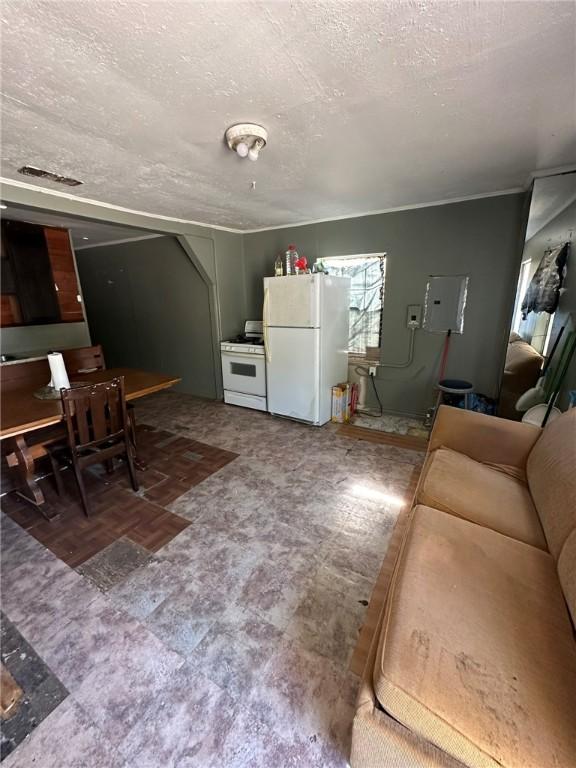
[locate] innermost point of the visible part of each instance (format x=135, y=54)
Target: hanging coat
x=543, y=292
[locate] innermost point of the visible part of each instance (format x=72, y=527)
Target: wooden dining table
x=23, y=415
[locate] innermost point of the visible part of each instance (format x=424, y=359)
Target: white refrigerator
x=306, y=320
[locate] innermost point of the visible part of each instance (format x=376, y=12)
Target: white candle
x=59, y=378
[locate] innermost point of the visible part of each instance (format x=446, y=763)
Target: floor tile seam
x=102, y=735
x=77, y=581
x=185, y=657
x=122, y=746
x=291, y=632
x=229, y=634
x=343, y=665
x=301, y=649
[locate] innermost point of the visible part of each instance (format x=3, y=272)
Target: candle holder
x=52, y=393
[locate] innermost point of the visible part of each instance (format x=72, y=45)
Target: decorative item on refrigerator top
x=278, y=267
x=301, y=265
x=290, y=259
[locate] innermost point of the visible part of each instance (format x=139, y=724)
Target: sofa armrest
x=488, y=439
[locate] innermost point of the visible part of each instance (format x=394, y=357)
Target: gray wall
x=560, y=230
x=481, y=238
x=217, y=254
x=148, y=305
x=32, y=340
x=229, y=258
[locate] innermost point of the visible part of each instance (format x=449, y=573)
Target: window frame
x=382, y=257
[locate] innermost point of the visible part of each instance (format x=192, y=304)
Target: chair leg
x=132, y=420
x=56, y=472
x=109, y=466
x=82, y=489
x=131, y=468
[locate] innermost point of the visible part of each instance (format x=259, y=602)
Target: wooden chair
x=86, y=359
x=98, y=429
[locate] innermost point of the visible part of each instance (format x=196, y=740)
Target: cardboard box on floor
x=342, y=402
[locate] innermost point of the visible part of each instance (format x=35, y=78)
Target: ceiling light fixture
x=247, y=139
x=3, y=207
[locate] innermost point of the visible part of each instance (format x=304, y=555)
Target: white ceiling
x=369, y=105
x=85, y=234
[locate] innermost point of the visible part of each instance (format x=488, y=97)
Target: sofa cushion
x=480, y=493
x=476, y=652
x=523, y=360
x=567, y=573
x=551, y=473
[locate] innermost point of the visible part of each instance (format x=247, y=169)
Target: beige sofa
x=521, y=372
x=474, y=659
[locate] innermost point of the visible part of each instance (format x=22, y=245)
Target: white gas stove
x=244, y=368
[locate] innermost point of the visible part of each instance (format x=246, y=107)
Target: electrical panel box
x=445, y=303
x=414, y=319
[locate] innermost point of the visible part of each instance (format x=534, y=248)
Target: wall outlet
x=372, y=370
x=414, y=319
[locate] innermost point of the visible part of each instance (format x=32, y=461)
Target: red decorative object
x=301, y=264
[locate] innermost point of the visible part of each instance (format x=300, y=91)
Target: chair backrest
x=95, y=413
x=84, y=359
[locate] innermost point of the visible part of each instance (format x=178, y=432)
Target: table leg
x=24, y=461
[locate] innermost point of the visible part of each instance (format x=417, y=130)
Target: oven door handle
x=253, y=355
x=265, y=326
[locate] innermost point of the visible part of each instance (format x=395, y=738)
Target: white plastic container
x=535, y=415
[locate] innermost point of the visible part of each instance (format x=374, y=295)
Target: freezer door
x=293, y=372
x=292, y=302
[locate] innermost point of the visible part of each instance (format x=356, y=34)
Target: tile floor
x=229, y=646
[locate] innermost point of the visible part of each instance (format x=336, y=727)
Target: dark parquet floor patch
x=175, y=464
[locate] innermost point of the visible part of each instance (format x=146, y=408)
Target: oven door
x=243, y=372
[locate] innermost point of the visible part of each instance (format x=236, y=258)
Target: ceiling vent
x=30, y=170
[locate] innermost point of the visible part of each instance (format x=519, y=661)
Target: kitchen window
x=367, y=273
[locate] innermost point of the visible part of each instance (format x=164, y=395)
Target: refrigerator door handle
x=265, y=326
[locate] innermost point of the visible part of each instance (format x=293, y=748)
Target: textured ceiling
x=369, y=105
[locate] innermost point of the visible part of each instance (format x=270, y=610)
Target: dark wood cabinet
x=39, y=283
x=64, y=274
